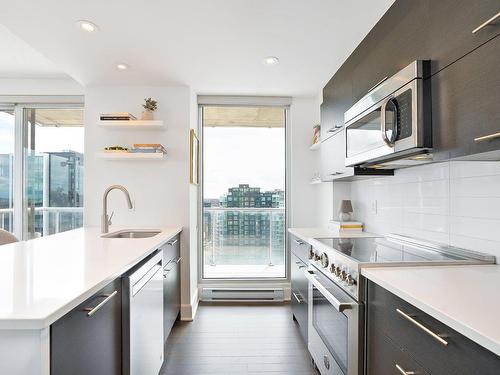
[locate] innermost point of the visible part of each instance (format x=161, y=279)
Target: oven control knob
x=324, y=260
x=338, y=271
x=311, y=254
x=317, y=257
x=343, y=276
x=350, y=280
x=332, y=268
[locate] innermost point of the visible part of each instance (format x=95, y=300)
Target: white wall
x=310, y=205
x=159, y=189
x=455, y=203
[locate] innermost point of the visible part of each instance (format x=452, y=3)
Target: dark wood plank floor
x=236, y=339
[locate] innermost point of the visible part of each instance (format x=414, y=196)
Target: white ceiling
x=19, y=60
x=214, y=46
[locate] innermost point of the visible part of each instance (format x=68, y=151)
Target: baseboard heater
x=242, y=294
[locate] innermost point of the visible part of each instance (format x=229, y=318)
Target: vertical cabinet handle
x=92, y=310
x=422, y=327
x=486, y=23
x=403, y=372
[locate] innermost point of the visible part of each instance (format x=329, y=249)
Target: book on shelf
x=149, y=148
x=117, y=116
x=346, y=226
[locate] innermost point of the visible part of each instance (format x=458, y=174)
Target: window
x=41, y=169
x=244, y=185
x=7, y=145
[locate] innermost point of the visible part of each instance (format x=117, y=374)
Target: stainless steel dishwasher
x=143, y=317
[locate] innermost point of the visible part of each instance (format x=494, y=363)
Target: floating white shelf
x=315, y=181
x=131, y=155
x=132, y=124
x=315, y=146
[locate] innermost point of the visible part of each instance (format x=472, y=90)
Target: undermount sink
x=132, y=233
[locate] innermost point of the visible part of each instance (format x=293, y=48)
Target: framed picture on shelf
x=194, y=158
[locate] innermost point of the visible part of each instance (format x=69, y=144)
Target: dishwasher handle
x=136, y=288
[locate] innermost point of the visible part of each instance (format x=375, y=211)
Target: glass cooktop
x=383, y=250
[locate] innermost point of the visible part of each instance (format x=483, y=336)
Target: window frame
x=19, y=104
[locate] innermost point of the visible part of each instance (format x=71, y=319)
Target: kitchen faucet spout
x=105, y=219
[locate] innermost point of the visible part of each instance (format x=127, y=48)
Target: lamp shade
x=345, y=206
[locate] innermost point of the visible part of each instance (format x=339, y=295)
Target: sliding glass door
x=244, y=195
x=41, y=169
x=7, y=146
x=53, y=170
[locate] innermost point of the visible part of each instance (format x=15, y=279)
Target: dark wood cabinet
x=299, y=295
x=88, y=340
x=465, y=104
x=299, y=284
x=399, y=38
x=451, y=24
x=337, y=98
x=398, y=331
x=171, y=284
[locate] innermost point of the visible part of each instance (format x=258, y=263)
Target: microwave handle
x=339, y=306
x=382, y=122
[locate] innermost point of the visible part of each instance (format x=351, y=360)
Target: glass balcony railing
x=243, y=240
x=45, y=220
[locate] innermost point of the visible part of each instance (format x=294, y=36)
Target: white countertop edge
x=458, y=326
x=38, y=324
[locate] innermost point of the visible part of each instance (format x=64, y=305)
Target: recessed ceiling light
x=271, y=60
x=87, y=26
x=121, y=66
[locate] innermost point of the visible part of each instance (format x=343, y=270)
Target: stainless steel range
x=337, y=290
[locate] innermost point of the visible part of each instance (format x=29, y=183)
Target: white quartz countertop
x=466, y=298
x=308, y=234
x=43, y=279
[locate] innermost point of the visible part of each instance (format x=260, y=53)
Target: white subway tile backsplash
x=478, y=186
x=462, y=169
x=476, y=207
x=455, y=203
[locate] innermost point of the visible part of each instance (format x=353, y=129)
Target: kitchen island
x=44, y=279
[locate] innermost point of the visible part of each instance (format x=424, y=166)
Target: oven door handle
x=339, y=306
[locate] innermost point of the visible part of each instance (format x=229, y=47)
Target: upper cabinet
x=459, y=26
x=399, y=38
x=337, y=98
x=460, y=38
x=465, y=104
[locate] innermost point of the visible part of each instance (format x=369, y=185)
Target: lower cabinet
x=88, y=340
x=299, y=295
x=171, y=284
x=403, y=339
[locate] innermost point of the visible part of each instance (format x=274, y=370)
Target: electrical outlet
x=374, y=207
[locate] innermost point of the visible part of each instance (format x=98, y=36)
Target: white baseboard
x=188, y=311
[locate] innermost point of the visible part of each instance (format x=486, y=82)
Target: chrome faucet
x=105, y=220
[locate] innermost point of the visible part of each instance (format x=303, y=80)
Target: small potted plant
x=150, y=105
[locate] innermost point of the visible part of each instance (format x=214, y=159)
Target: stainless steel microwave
x=392, y=121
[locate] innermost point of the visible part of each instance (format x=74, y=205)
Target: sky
x=234, y=156
x=48, y=139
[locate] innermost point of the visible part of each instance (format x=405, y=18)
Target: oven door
x=335, y=338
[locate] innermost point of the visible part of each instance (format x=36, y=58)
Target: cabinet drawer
x=421, y=336
x=384, y=358
x=300, y=248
